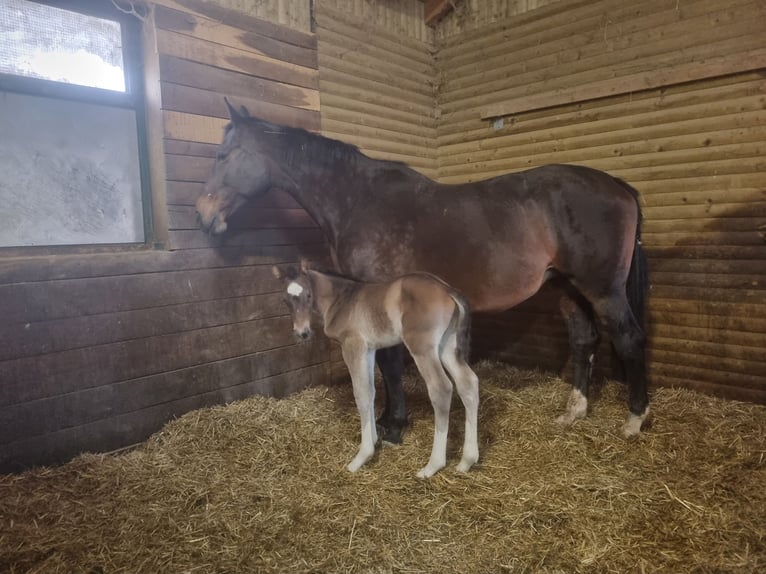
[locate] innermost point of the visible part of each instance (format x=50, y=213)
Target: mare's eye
x=220, y=156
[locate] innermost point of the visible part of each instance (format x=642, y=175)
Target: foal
x=419, y=310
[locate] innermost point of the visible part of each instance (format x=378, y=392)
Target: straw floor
x=260, y=486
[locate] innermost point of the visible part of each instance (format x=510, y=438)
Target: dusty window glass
x=69, y=124
x=42, y=41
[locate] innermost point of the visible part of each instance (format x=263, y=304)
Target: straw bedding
x=260, y=486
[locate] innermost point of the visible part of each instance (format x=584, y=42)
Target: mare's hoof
x=389, y=432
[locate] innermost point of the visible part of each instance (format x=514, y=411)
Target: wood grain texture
x=103, y=348
x=689, y=135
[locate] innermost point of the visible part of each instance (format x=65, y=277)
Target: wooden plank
x=233, y=37
x=52, y=336
x=306, y=239
x=188, y=168
x=82, y=407
x=714, y=93
x=418, y=52
x=185, y=217
x=414, y=144
x=724, y=391
x=43, y=301
x=332, y=98
x=272, y=95
x=79, y=266
x=195, y=149
x=238, y=19
x=32, y=378
x=193, y=128
x=187, y=193
x=337, y=50
x=687, y=72
x=657, y=28
x=405, y=99
x=687, y=42
x=200, y=102
x=131, y=428
x=188, y=48
x=375, y=70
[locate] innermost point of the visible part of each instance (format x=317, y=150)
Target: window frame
x=132, y=98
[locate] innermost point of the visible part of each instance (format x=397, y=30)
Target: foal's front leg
x=361, y=362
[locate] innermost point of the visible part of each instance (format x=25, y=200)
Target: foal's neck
x=330, y=293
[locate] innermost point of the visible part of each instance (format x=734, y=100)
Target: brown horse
x=421, y=311
x=497, y=241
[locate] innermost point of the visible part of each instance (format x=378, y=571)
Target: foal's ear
x=276, y=272
x=304, y=265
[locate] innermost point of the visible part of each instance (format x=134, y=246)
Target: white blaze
x=294, y=289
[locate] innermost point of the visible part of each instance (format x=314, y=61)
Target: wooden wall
x=669, y=96
x=377, y=86
x=100, y=349
x=476, y=14
x=403, y=18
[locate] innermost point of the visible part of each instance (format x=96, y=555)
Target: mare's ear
x=304, y=265
x=276, y=272
x=236, y=117
x=243, y=111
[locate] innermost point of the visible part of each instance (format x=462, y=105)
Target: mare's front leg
x=360, y=362
x=394, y=417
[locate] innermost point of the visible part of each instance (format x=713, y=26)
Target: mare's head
x=298, y=296
x=242, y=170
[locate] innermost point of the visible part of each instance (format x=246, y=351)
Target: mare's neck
x=327, y=186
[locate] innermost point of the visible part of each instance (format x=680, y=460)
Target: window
x=71, y=116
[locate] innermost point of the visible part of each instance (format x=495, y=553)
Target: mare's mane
x=298, y=144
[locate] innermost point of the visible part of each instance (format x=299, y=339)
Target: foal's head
x=298, y=296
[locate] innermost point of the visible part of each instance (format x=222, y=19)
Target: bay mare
x=497, y=241
x=421, y=311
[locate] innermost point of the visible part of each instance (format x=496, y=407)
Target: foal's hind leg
x=583, y=341
x=394, y=417
x=629, y=342
x=467, y=384
x=440, y=392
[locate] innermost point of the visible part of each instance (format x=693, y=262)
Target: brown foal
x=419, y=310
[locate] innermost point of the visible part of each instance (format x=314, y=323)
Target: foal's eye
x=220, y=156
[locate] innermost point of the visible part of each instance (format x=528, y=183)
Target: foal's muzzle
x=303, y=334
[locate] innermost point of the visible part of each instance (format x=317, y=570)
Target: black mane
x=298, y=143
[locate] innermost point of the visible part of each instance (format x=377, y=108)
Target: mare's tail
x=462, y=325
x=637, y=283
x=638, y=276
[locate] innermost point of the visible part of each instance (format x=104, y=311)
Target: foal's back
x=412, y=306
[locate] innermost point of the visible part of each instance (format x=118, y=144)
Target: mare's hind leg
x=629, y=342
x=394, y=417
x=583, y=341
x=467, y=384
x=361, y=365
x=440, y=392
